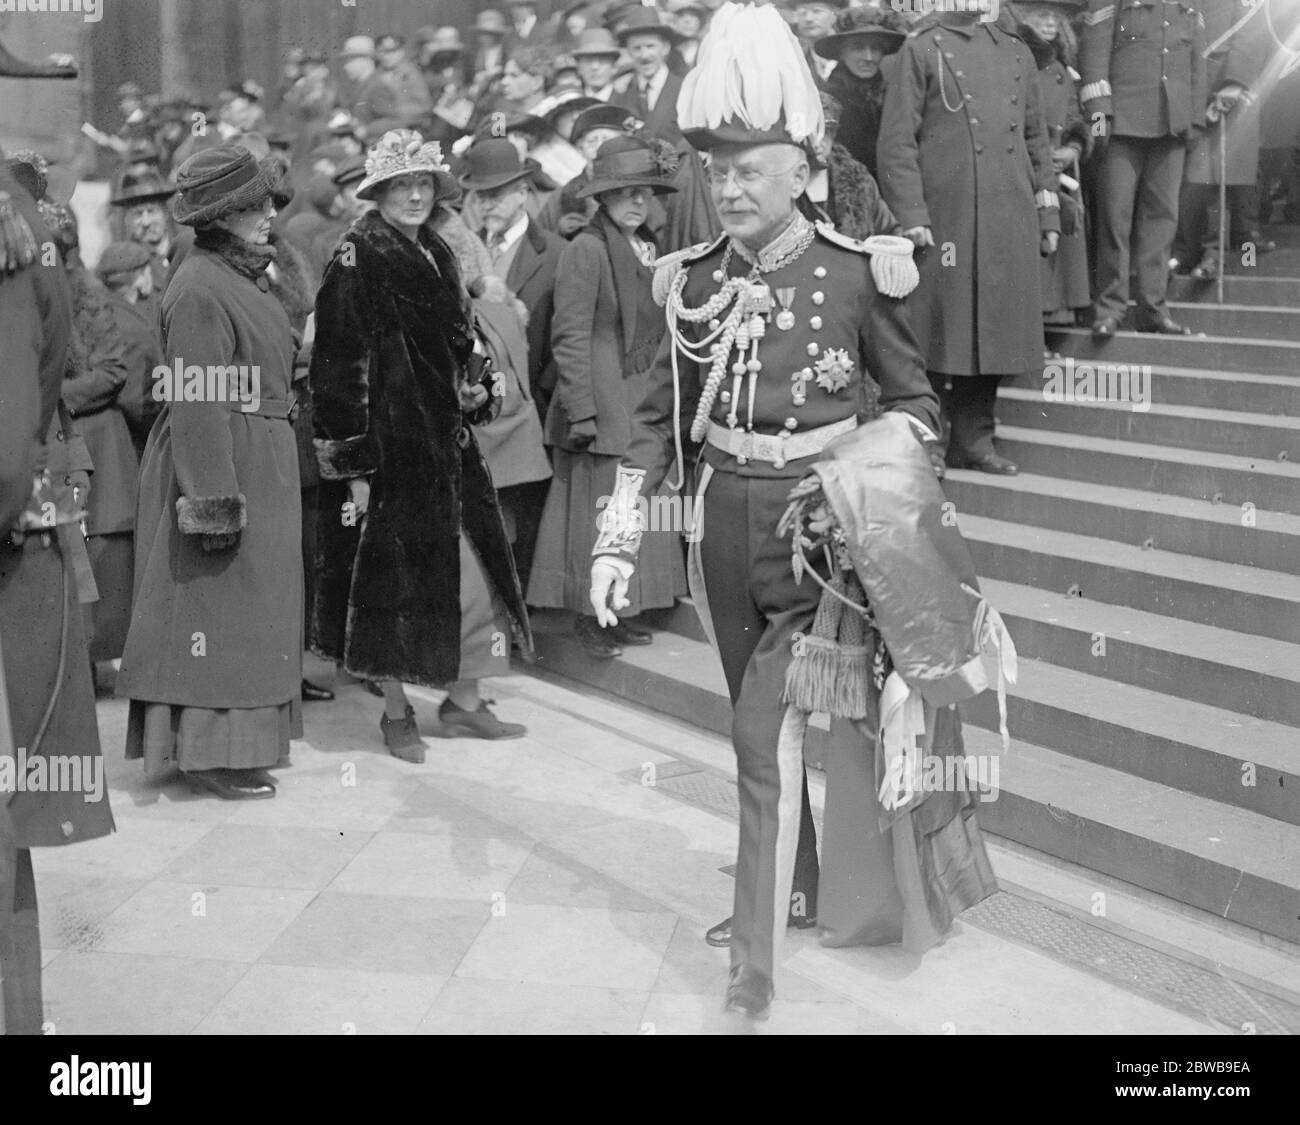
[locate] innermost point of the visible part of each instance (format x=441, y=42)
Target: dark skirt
x=170, y=736
x=1065, y=275
x=112, y=561
x=561, y=574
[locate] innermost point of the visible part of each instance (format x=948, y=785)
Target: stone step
x=1270, y=292
x=1218, y=478
x=1263, y=322
x=1177, y=742
x=1240, y=599
x=1151, y=520
x=1253, y=675
x=1217, y=754
x=1235, y=862
x=1181, y=386
x=1187, y=427
x=1215, y=353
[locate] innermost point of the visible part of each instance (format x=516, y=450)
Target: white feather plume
x=751, y=69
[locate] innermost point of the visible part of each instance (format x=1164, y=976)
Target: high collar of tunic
x=781, y=245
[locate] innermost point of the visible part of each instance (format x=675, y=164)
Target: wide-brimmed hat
x=140, y=187
x=491, y=163
x=401, y=152
x=220, y=181
x=491, y=22
x=623, y=162
x=358, y=47
x=597, y=41
x=566, y=101
x=605, y=116
x=121, y=258
x=883, y=24
x=643, y=21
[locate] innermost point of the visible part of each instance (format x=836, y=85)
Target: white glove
x=609, y=574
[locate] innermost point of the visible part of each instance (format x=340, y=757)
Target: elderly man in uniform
x=1143, y=98
x=806, y=341
x=47, y=704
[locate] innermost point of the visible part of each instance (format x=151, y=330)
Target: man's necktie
x=643, y=101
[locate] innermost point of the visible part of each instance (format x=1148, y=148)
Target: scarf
x=242, y=257
x=643, y=324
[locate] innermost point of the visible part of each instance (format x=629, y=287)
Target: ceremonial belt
x=744, y=445
x=282, y=409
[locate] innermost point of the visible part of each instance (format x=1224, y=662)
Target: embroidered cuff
x=622, y=522
x=211, y=515
x=346, y=459
x=1098, y=89
x=1047, y=200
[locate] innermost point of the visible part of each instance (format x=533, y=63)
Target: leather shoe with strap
x=749, y=993
x=1165, y=325
x=720, y=935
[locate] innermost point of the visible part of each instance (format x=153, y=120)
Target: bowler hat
x=491, y=22
x=350, y=171
x=646, y=21
x=220, y=181
x=623, y=162
x=596, y=41
x=140, y=187
x=122, y=258
x=491, y=163
x=883, y=24
x=604, y=116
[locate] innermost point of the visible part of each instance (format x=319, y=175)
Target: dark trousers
x=1138, y=212
x=1197, y=235
x=522, y=505
x=756, y=609
x=309, y=499
x=967, y=402
x=20, y=944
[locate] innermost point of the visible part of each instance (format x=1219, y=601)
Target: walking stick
x=1223, y=199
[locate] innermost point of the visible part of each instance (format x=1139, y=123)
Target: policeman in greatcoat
x=965, y=166
x=1143, y=98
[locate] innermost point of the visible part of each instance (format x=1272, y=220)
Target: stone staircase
x=1147, y=564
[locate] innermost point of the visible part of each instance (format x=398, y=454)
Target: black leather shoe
x=233, y=785
x=989, y=463
x=1105, y=327
x=720, y=935
x=749, y=993
x=625, y=633
x=597, y=641
x=1165, y=326
x=314, y=693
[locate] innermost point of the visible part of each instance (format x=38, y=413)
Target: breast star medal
x=785, y=318
x=834, y=370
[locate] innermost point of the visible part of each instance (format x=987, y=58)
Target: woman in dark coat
x=416, y=582
x=605, y=333
x=213, y=661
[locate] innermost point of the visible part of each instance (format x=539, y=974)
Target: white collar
x=522, y=29
x=655, y=86
x=514, y=232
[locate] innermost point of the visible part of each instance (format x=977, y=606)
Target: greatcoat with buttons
x=964, y=151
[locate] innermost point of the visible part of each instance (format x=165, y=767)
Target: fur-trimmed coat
x=394, y=333
x=223, y=628
x=854, y=206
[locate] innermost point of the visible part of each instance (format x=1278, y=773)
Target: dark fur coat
x=392, y=339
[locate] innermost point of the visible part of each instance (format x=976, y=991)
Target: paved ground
x=533, y=886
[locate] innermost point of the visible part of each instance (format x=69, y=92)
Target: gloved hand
x=582, y=433
x=609, y=579
x=18, y=248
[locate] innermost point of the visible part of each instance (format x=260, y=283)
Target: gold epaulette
x=670, y=265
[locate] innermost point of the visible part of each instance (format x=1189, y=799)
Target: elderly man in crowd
x=652, y=93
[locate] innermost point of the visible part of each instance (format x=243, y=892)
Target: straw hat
x=401, y=152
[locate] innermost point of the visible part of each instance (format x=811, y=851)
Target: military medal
x=785, y=318
x=834, y=370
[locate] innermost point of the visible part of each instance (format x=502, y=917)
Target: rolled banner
x=892, y=268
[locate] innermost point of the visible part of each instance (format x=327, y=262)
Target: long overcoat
x=219, y=629
x=393, y=337
x=963, y=150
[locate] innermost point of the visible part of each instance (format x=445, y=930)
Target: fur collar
x=398, y=265
x=293, y=285
x=1044, y=53
x=243, y=257
x=849, y=190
